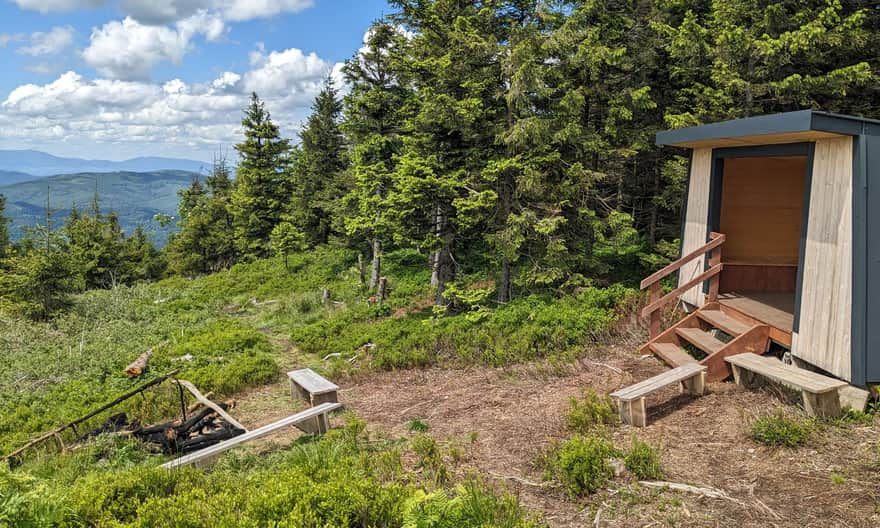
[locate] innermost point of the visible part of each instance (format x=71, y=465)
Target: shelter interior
x=761, y=213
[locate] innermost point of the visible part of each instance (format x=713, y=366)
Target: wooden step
x=724, y=322
x=700, y=339
x=672, y=354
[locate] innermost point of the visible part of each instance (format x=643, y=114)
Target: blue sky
x=114, y=79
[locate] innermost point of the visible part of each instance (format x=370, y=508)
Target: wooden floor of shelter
x=774, y=309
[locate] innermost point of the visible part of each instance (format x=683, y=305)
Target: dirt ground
x=504, y=419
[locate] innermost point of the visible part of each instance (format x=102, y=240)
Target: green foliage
x=430, y=458
x=589, y=412
x=287, y=238
x=262, y=184
x=526, y=329
x=417, y=426
x=779, y=430
x=582, y=464
x=205, y=242
x=318, y=176
x=469, y=504
x=4, y=228
x=643, y=461
x=39, y=283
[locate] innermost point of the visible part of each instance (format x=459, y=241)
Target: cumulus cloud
x=141, y=117
x=167, y=11
x=48, y=43
x=128, y=50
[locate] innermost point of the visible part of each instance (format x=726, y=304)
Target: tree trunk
x=436, y=256
x=652, y=229
x=377, y=263
x=443, y=267
x=382, y=290
x=362, y=272
x=504, y=282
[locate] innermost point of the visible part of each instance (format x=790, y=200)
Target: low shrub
x=779, y=430
x=582, y=464
x=643, y=461
x=590, y=411
x=471, y=504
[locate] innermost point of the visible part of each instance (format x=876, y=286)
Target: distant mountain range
x=15, y=163
x=135, y=196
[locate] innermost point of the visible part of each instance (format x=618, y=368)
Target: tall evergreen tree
x=319, y=178
x=440, y=197
x=262, y=187
x=205, y=242
x=372, y=121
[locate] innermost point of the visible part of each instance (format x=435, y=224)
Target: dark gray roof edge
x=784, y=123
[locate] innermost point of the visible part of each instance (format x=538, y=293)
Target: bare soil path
x=504, y=419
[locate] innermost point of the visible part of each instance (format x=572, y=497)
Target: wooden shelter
x=780, y=243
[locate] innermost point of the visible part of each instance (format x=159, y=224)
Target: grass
x=590, y=411
x=779, y=430
x=226, y=333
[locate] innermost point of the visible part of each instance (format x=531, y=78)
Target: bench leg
x=825, y=405
x=633, y=412
x=745, y=378
x=695, y=386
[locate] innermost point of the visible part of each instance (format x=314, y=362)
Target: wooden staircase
x=708, y=335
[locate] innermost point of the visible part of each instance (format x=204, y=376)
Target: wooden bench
x=208, y=454
x=820, y=392
x=314, y=389
x=631, y=400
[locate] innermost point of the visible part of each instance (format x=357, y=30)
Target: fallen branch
x=208, y=403
x=712, y=493
x=140, y=364
x=521, y=480
x=72, y=425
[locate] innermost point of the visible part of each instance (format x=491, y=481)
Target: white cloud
x=49, y=43
x=167, y=11
x=138, y=117
x=7, y=38
x=47, y=6
x=128, y=50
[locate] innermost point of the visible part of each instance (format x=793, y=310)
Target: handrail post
x=714, y=282
x=655, y=295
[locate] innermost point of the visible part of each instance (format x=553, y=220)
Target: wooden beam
x=208, y=403
x=671, y=296
x=222, y=447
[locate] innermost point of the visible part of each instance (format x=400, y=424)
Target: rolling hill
x=39, y=163
x=12, y=177
x=136, y=196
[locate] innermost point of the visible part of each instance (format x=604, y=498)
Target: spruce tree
x=441, y=199
x=262, y=188
x=205, y=242
x=373, y=113
x=318, y=173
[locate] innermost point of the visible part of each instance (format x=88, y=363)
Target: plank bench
x=631, y=400
x=314, y=389
x=820, y=392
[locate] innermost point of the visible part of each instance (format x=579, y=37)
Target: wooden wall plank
x=696, y=218
x=824, y=336
x=762, y=202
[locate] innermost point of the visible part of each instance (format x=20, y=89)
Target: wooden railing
x=657, y=301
